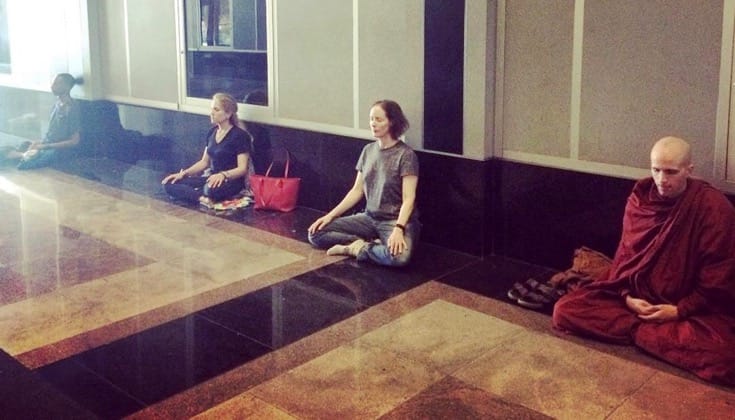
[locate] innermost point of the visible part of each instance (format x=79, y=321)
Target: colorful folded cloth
x=233, y=204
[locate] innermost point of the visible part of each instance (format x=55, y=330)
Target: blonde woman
x=226, y=155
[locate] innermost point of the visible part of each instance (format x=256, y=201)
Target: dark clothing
x=672, y=251
x=261, y=150
x=222, y=157
x=64, y=123
x=190, y=189
x=65, y=120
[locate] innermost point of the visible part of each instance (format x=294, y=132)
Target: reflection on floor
x=116, y=303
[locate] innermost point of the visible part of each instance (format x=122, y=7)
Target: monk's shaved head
x=673, y=149
x=671, y=165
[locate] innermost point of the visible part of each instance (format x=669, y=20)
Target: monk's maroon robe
x=677, y=251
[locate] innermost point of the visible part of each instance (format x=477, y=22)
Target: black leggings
x=190, y=189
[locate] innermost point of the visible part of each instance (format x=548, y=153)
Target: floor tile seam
x=143, y=199
x=312, y=350
x=251, y=395
x=264, y=238
x=497, y=397
x=360, y=347
x=245, y=231
x=97, y=186
x=285, y=242
x=629, y=397
x=70, y=254
x=106, y=381
x=305, y=360
x=21, y=267
x=549, y=332
x=159, y=204
x=73, y=292
x=109, y=191
x=337, y=299
x=295, y=416
x=68, y=292
x=598, y=347
x=177, y=309
x=497, y=342
x=494, y=300
x=359, y=342
x=577, y=378
x=214, y=322
x=455, y=270
x=74, y=179
x=327, y=295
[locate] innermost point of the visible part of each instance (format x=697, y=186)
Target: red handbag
x=272, y=193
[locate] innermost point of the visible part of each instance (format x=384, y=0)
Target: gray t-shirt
x=383, y=171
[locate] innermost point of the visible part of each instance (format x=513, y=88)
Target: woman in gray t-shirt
x=387, y=175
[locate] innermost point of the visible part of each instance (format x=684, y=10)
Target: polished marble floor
x=115, y=302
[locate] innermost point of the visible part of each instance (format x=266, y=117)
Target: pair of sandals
x=533, y=294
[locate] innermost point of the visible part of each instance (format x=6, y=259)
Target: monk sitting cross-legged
x=671, y=287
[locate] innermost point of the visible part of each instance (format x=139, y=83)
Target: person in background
x=671, y=287
x=222, y=171
x=63, y=130
x=387, y=232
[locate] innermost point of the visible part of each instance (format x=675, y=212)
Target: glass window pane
x=216, y=23
x=227, y=49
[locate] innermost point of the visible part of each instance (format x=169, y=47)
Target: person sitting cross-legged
x=387, y=232
x=671, y=287
x=63, y=134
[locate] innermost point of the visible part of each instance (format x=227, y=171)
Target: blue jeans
x=347, y=229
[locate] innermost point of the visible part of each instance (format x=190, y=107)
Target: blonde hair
x=229, y=104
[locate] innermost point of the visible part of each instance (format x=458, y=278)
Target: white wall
x=138, y=51
x=46, y=37
x=327, y=63
x=574, y=84
x=591, y=85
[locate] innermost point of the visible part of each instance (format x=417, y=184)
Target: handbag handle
x=288, y=161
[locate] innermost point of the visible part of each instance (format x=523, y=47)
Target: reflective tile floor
x=115, y=302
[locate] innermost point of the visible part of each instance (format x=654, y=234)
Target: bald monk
x=671, y=287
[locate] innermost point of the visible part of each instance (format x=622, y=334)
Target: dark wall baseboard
x=495, y=207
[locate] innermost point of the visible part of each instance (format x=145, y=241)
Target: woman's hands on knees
x=216, y=180
x=320, y=223
x=396, y=242
x=173, y=178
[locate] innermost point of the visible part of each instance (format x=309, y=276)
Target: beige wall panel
x=315, y=73
x=391, y=59
x=113, y=50
x=479, y=83
x=650, y=68
x=153, y=52
x=538, y=74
